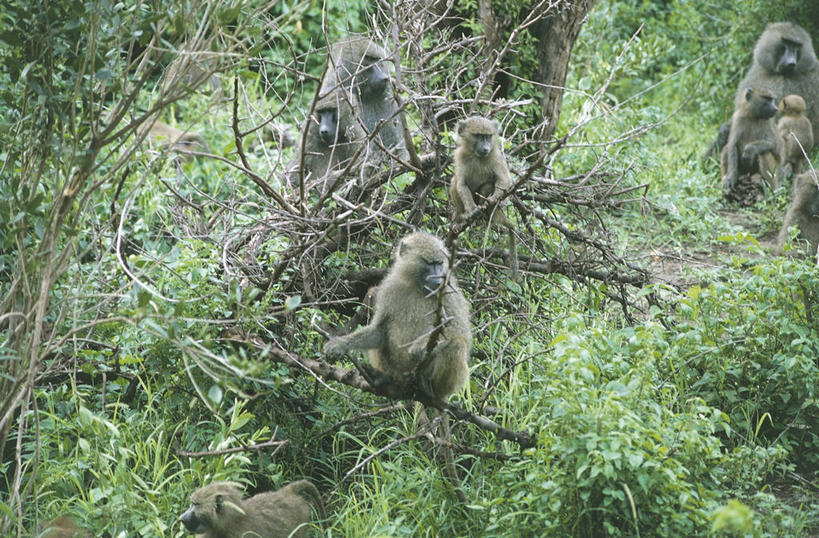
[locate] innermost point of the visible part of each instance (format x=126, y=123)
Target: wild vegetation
x=650, y=371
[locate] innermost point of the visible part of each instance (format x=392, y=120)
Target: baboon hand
x=335, y=348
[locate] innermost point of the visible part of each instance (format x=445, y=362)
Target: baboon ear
x=461, y=126
x=218, y=503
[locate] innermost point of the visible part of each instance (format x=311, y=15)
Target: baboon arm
x=464, y=194
x=502, y=180
x=730, y=166
x=372, y=336
x=753, y=149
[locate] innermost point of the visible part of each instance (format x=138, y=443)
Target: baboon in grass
x=480, y=172
x=803, y=213
x=360, y=68
x=754, y=145
x=409, y=307
x=182, y=142
x=797, y=136
x=62, y=527
x=219, y=511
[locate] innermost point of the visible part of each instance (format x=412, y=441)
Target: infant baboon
x=754, y=145
x=803, y=213
x=333, y=138
x=62, y=527
x=406, y=310
x=218, y=511
x=797, y=135
x=184, y=143
x=480, y=172
x=358, y=66
x=784, y=63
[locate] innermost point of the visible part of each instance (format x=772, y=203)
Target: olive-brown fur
x=406, y=309
x=182, y=142
x=754, y=145
x=62, y=527
x=219, y=511
x=803, y=213
x=797, y=135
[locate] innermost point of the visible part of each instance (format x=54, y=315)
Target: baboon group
x=772, y=131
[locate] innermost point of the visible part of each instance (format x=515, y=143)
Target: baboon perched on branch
x=754, y=145
x=407, y=306
x=480, y=172
x=358, y=66
x=218, y=511
x=333, y=139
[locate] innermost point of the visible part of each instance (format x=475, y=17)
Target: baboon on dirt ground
x=754, y=145
x=219, y=511
x=803, y=213
x=784, y=62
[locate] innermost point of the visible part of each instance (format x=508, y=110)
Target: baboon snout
x=191, y=522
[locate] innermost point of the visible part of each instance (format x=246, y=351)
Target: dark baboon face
x=425, y=258
x=785, y=49
x=361, y=65
x=761, y=103
x=479, y=134
x=374, y=78
x=328, y=124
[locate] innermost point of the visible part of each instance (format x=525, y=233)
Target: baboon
x=406, y=313
x=62, y=527
x=333, y=138
x=218, y=511
x=358, y=67
x=480, y=172
x=182, y=142
x=784, y=63
x=797, y=135
x=803, y=212
x=754, y=144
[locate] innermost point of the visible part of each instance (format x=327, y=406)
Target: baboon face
x=792, y=105
x=785, y=49
x=328, y=124
x=423, y=257
x=479, y=134
x=362, y=62
x=761, y=103
x=210, y=504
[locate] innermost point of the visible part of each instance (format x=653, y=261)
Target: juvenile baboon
x=406, y=312
x=218, y=511
x=797, y=135
x=62, y=527
x=754, y=144
x=784, y=63
x=333, y=138
x=182, y=142
x=480, y=172
x=359, y=67
x=803, y=213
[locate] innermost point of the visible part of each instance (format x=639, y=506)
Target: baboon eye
x=218, y=503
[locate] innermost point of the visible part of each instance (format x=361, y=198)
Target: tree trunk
x=556, y=34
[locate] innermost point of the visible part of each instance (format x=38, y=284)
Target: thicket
x=163, y=319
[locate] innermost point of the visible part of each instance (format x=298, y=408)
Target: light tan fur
x=477, y=177
x=165, y=136
x=219, y=511
x=803, y=213
x=797, y=135
x=62, y=527
x=754, y=145
x=406, y=310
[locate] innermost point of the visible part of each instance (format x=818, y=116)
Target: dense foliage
x=684, y=405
